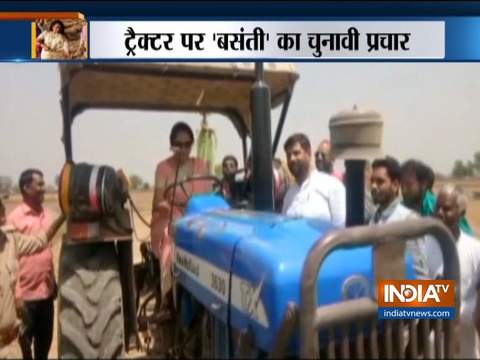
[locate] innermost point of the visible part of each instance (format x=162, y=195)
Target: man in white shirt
x=314, y=194
x=449, y=211
x=385, y=187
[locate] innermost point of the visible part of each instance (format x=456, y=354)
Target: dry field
x=143, y=201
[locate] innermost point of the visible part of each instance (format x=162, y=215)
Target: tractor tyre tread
x=90, y=302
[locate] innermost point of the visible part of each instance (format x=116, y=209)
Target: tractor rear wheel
x=90, y=302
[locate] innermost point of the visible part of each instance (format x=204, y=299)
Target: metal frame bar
x=281, y=121
x=245, y=75
x=289, y=323
x=244, y=151
x=67, y=124
x=362, y=236
x=337, y=314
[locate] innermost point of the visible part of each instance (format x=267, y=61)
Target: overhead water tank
x=356, y=134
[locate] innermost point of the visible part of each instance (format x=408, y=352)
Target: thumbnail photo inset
x=59, y=39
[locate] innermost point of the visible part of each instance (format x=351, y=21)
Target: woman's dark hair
x=62, y=26
x=178, y=128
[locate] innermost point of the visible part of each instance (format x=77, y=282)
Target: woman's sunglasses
x=183, y=144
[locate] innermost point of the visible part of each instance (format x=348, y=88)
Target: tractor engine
x=245, y=267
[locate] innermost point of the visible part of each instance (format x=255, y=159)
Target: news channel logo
x=416, y=299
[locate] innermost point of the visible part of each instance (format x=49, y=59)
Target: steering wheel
x=217, y=187
x=239, y=197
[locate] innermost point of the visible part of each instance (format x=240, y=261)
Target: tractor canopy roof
x=194, y=87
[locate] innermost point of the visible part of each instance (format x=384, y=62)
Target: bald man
x=449, y=210
x=324, y=160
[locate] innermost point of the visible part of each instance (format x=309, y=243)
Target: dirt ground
x=143, y=201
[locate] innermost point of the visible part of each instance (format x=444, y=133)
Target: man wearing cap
x=313, y=194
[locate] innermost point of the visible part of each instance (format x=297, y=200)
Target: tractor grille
x=351, y=329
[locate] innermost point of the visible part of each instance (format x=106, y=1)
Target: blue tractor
x=249, y=281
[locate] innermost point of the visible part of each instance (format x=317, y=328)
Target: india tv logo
x=416, y=299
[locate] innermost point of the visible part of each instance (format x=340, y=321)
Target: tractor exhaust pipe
x=355, y=188
x=261, y=143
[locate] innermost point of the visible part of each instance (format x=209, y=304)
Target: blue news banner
x=462, y=38
x=16, y=40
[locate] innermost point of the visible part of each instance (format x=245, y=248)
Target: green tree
x=459, y=169
x=136, y=182
x=476, y=162
x=6, y=185
x=470, y=169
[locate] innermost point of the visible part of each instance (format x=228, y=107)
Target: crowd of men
x=394, y=192
x=316, y=190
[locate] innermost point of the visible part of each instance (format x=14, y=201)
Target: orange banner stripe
x=34, y=40
x=40, y=15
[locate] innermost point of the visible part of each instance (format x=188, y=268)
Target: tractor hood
x=245, y=266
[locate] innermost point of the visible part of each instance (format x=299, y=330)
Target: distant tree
x=6, y=185
x=57, y=181
x=146, y=186
x=476, y=162
x=459, y=169
x=470, y=169
x=136, y=182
